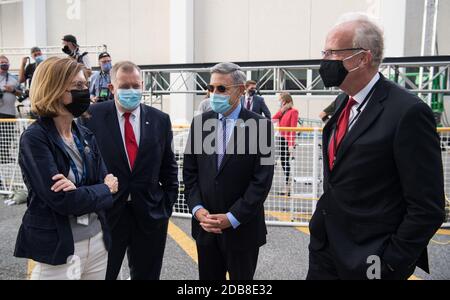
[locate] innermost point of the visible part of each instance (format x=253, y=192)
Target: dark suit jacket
x=45, y=234
x=259, y=106
x=385, y=195
x=153, y=183
x=240, y=186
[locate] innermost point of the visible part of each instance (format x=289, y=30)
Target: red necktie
x=130, y=140
x=249, y=103
x=340, y=132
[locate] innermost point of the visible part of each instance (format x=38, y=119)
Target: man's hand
x=201, y=214
x=9, y=89
x=209, y=225
x=62, y=184
x=112, y=183
x=224, y=222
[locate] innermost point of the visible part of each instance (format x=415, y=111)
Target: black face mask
x=67, y=50
x=81, y=101
x=251, y=93
x=333, y=72
x=4, y=67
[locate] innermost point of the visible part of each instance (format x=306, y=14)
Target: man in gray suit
x=253, y=102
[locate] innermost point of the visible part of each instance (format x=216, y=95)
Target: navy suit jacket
x=385, y=194
x=259, y=106
x=45, y=234
x=153, y=183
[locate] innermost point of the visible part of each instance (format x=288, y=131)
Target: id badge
x=83, y=220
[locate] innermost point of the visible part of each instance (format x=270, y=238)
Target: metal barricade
x=296, y=187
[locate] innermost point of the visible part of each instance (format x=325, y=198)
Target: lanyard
x=102, y=78
x=82, y=180
x=360, y=107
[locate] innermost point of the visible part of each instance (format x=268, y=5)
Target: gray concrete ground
x=284, y=257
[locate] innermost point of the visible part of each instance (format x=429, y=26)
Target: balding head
x=356, y=30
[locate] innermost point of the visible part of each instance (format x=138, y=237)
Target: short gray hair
x=368, y=35
x=126, y=66
x=4, y=57
x=229, y=68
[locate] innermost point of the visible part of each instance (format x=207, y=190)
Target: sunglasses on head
x=219, y=88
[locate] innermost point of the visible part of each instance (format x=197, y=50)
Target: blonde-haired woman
x=64, y=228
x=287, y=116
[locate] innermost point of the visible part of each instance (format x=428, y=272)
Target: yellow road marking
x=443, y=232
x=31, y=265
x=286, y=217
x=183, y=240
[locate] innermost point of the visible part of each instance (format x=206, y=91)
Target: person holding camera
x=27, y=68
x=101, y=81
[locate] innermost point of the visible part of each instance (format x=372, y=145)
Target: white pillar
x=181, y=52
x=34, y=23
x=393, y=19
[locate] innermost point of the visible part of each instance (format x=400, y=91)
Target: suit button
x=324, y=212
x=216, y=182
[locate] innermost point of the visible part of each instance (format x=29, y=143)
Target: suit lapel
x=211, y=158
x=145, y=127
x=341, y=101
x=54, y=134
x=367, y=118
x=113, y=123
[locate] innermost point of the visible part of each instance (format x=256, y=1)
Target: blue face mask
x=129, y=99
x=39, y=59
x=106, y=67
x=220, y=103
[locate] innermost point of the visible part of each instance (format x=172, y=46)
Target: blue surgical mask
x=106, y=67
x=39, y=59
x=220, y=103
x=129, y=99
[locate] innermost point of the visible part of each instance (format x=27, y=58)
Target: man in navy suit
x=252, y=102
x=136, y=143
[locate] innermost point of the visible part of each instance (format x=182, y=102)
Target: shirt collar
x=359, y=97
x=135, y=113
x=234, y=115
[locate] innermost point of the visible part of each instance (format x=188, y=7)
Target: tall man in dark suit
x=228, y=172
x=252, y=102
x=136, y=143
x=383, y=175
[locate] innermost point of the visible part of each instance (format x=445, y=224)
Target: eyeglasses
x=220, y=88
x=332, y=52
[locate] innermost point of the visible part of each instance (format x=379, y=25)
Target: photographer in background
x=26, y=72
x=101, y=81
x=9, y=89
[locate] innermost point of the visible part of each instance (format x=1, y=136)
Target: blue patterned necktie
x=223, y=144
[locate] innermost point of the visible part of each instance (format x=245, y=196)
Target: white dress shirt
x=359, y=98
x=135, y=120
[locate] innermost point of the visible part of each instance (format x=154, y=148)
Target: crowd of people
x=103, y=179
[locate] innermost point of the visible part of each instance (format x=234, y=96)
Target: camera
x=104, y=95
